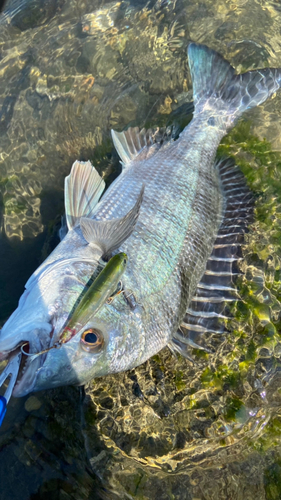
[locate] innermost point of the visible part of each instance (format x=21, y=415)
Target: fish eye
x=92, y=340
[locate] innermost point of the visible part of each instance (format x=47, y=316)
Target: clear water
x=69, y=72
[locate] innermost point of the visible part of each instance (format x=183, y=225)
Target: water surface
x=70, y=71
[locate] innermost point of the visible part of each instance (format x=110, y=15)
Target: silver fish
x=167, y=230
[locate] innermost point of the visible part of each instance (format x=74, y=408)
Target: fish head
x=42, y=311
x=107, y=344
x=55, y=296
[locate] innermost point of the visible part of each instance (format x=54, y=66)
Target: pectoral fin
x=83, y=189
x=108, y=235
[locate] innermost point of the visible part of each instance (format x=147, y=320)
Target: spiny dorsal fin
x=207, y=310
x=83, y=188
x=141, y=144
x=108, y=235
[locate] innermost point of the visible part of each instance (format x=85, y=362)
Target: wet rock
x=32, y=13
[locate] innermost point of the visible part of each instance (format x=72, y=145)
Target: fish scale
x=173, y=268
x=177, y=179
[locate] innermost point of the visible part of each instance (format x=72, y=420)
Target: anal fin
x=208, y=310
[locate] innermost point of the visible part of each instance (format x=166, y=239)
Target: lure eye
x=92, y=340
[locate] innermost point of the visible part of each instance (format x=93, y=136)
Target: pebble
x=32, y=403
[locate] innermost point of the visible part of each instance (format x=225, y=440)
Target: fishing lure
x=102, y=290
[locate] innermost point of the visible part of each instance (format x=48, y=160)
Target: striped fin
x=208, y=309
x=83, y=188
x=139, y=144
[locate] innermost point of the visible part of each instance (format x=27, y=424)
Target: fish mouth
x=28, y=369
x=26, y=376
x=30, y=338
x=27, y=373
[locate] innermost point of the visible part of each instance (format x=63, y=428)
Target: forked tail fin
x=223, y=94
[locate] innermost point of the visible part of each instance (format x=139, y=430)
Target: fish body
x=178, y=201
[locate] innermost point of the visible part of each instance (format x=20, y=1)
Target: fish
x=178, y=215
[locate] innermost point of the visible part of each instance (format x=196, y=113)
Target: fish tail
x=220, y=92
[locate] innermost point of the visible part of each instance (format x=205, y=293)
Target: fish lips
x=29, y=367
x=27, y=379
x=56, y=369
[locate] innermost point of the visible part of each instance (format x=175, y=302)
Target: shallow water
x=71, y=71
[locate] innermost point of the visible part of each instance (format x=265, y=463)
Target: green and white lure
x=99, y=292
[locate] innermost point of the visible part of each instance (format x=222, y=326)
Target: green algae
x=233, y=407
x=272, y=480
x=260, y=165
x=200, y=354
x=270, y=437
x=179, y=382
x=221, y=378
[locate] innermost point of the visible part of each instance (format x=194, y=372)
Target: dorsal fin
x=141, y=144
x=108, y=235
x=83, y=188
x=208, y=308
